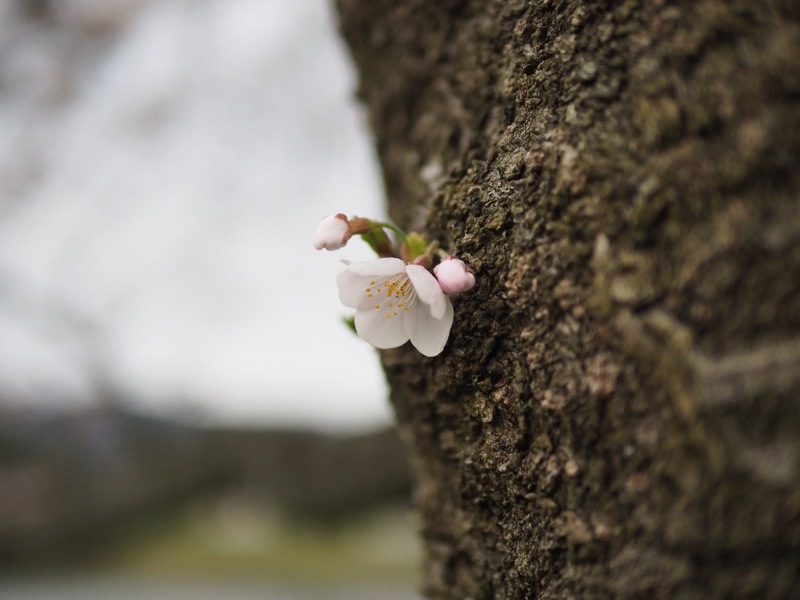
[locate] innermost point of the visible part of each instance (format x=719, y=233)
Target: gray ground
x=127, y=589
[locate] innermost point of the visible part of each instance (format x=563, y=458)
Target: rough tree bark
x=616, y=413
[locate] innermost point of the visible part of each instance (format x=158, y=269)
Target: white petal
x=373, y=326
x=352, y=288
x=381, y=267
x=428, y=334
x=428, y=289
x=332, y=233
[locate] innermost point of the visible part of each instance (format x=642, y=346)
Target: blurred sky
x=163, y=165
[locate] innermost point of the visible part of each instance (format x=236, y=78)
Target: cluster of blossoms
x=403, y=295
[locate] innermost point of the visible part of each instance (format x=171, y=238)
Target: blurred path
x=124, y=589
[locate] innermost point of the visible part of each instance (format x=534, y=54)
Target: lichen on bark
x=615, y=414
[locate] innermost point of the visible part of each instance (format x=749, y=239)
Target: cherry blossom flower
x=454, y=276
x=332, y=232
x=396, y=299
x=396, y=302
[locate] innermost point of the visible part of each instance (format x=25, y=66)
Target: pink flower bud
x=454, y=276
x=332, y=233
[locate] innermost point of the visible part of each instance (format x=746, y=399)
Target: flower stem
x=394, y=228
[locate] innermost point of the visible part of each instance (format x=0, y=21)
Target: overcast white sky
x=159, y=188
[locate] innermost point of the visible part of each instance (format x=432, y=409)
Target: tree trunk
x=616, y=412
